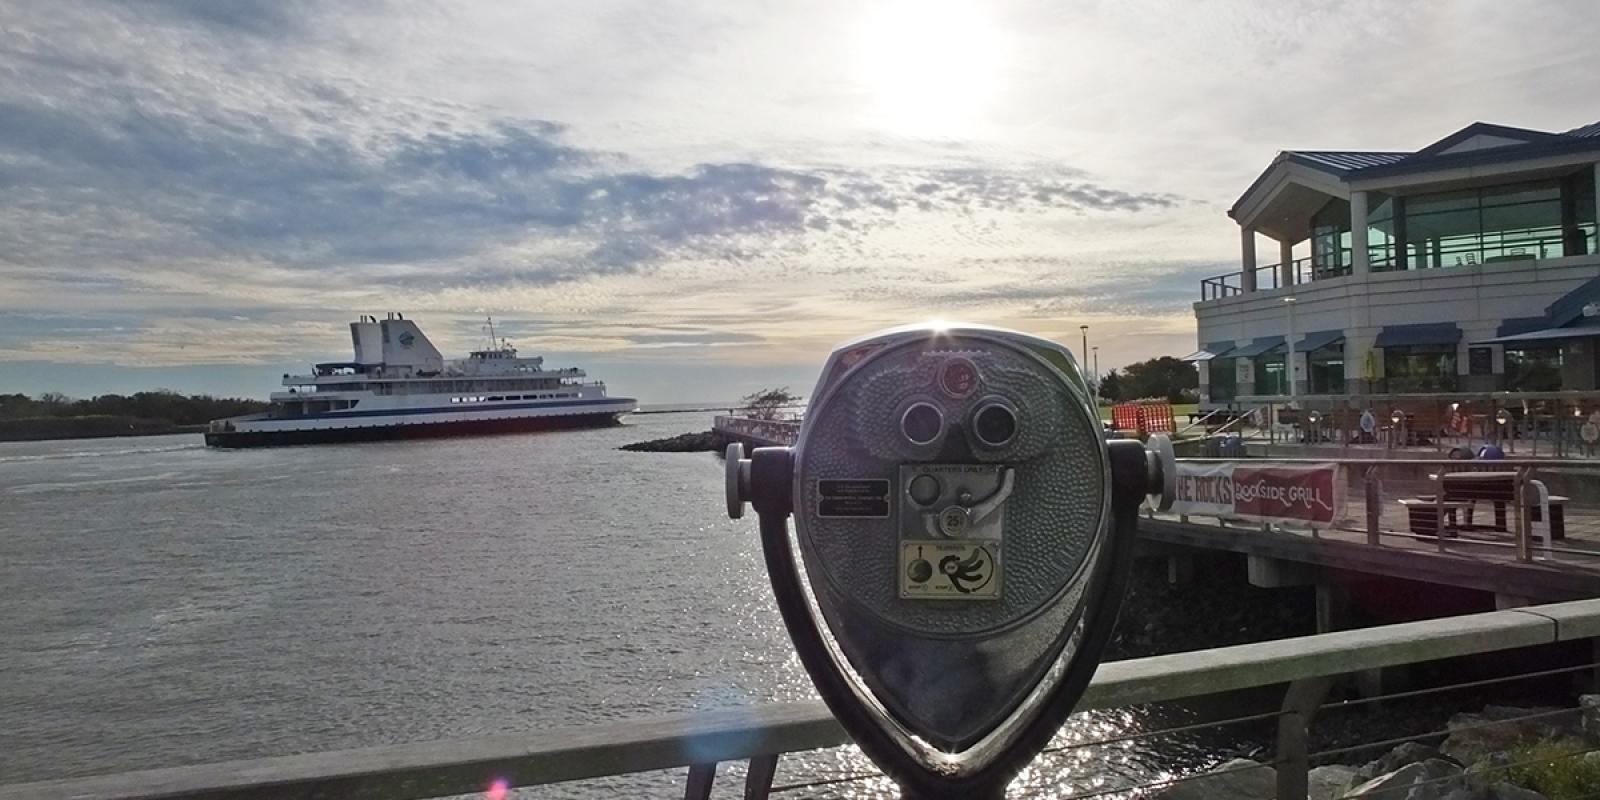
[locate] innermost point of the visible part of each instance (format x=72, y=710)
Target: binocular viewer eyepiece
x=963, y=531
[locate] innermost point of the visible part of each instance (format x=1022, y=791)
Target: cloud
x=167, y=166
x=205, y=187
x=106, y=170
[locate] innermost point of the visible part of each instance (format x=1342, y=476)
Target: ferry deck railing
x=761, y=734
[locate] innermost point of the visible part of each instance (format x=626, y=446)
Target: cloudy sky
x=690, y=199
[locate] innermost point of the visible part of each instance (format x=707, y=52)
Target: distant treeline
x=55, y=416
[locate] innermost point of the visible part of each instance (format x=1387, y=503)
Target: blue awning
x=1584, y=328
x=1318, y=340
x=1429, y=333
x=1516, y=325
x=1210, y=351
x=1261, y=345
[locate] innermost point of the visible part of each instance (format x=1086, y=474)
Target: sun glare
x=931, y=66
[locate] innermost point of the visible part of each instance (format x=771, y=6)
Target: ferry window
x=495, y=398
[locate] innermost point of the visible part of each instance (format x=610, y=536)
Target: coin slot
x=925, y=489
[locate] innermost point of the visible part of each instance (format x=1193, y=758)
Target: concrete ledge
x=1148, y=680
x=1579, y=619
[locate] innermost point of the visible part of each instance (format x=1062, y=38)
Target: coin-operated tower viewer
x=964, y=530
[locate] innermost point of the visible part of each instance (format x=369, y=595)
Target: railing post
x=1438, y=508
x=1300, y=704
x=1374, y=505
x=698, y=787
x=1524, y=551
x=758, y=780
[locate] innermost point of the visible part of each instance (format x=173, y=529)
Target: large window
x=1536, y=370
x=1533, y=219
x=1326, y=369
x=1223, y=386
x=1381, y=232
x=1330, y=240
x=1270, y=377
x=1420, y=368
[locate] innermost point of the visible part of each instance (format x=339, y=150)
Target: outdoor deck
x=1475, y=560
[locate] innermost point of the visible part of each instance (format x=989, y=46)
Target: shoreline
x=68, y=436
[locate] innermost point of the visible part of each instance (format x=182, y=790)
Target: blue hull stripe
x=461, y=407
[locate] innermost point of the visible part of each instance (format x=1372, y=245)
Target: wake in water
x=130, y=451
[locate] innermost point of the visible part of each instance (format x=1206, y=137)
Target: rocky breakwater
x=1500, y=753
x=702, y=442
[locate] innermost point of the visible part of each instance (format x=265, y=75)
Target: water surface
x=168, y=604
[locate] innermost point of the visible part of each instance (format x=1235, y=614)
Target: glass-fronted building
x=1468, y=265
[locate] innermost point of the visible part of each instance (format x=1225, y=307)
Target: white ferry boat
x=398, y=386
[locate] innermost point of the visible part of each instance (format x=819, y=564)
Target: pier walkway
x=1373, y=534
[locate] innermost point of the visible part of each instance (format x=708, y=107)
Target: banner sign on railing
x=1304, y=493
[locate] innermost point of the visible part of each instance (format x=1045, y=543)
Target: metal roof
x=1356, y=164
x=1587, y=131
x=1345, y=160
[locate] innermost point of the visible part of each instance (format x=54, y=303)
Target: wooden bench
x=1423, y=515
x=1473, y=485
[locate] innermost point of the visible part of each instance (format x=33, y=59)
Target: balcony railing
x=1459, y=252
x=1268, y=278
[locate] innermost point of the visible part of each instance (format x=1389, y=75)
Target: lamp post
x=1096, y=373
x=1084, y=329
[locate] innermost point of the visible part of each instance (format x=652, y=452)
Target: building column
x=1247, y=258
x=1285, y=263
x=1358, y=233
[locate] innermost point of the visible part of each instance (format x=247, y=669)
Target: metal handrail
x=1408, y=462
x=698, y=739
x=1237, y=420
x=1199, y=422
x=1466, y=254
